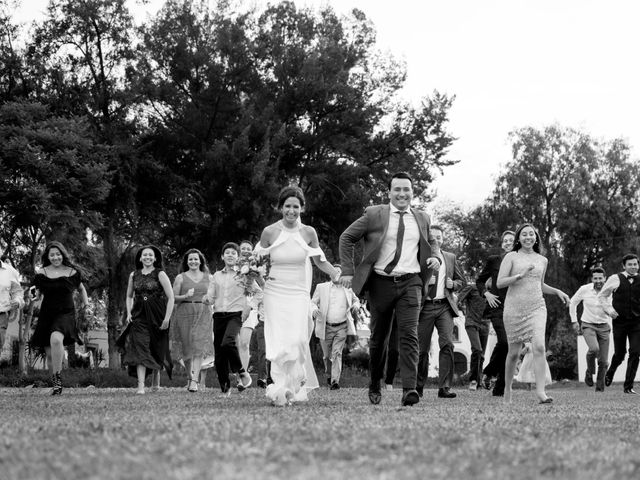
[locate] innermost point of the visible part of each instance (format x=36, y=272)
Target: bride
x=287, y=306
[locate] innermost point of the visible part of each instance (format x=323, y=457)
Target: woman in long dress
x=145, y=340
x=192, y=324
x=57, y=280
x=525, y=312
x=287, y=304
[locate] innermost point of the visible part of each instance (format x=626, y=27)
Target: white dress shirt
x=593, y=312
x=408, y=262
x=10, y=288
x=610, y=286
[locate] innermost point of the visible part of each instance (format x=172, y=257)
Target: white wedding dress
x=288, y=323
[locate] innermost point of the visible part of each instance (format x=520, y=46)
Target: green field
x=112, y=433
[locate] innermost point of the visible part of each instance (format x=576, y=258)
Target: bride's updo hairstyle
x=288, y=192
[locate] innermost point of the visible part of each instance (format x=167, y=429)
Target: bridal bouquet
x=252, y=269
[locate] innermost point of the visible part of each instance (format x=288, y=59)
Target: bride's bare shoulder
x=269, y=234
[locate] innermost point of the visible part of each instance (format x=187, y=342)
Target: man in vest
x=624, y=290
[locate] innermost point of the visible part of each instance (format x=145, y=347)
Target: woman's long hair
x=184, y=266
x=537, y=247
x=158, y=261
x=66, y=258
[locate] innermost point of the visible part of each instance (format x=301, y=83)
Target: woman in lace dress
x=192, y=325
x=287, y=304
x=525, y=313
x=145, y=340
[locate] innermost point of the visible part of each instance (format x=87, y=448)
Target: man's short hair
x=403, y=175
x=598, y=270
x=228, y=245
x=437, y=227
x=627, y=257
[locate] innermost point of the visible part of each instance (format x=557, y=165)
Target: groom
x=396, y=264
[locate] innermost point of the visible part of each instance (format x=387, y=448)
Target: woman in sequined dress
x=525, y=312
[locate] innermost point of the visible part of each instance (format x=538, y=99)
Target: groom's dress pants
x=404, y=296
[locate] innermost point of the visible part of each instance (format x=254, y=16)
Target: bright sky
x=510, y=64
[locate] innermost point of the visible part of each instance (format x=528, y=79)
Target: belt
x=191, y=301
x=436, y=300
x=336, y=324
x=397, y=278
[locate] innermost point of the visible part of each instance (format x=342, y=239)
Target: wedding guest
x=11, y=296
x=332, y=307
x=251, y=322
x=57, y=280
x=438, y=309
x=192, y=323
x=623, y=289
x=396, y=263
x=494, y=312
x=149, y=303
x=288, y=325
x=525, y=312
x=230, y=309
x=595, y=328
x=477, y=328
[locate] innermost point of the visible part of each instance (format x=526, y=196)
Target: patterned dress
x=192, y=324
x=142, y=342
x=57, y=312
x=525, y=312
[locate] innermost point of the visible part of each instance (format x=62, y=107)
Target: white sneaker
x=388, y=386
x=473, y=386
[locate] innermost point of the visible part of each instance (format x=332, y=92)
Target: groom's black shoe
x=420, y=391
x=409, y=397
x=374, y=393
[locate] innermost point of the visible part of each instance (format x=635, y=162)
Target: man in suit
x=332, y=307
x=396, y=264
x=495, y=303
x=438, y=309
x=623, y=291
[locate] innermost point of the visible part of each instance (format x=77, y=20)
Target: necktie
x=396, y=258
x=433, y=288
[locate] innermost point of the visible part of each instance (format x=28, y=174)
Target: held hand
x=448, y=283
x=189, y=293
x=315, y=314
x=433, y=263
x=165, y=324
x=128, y=320
x=492, y=300
x=346, y=280
x=576, y=328
x=245, y=313
x=612, y=313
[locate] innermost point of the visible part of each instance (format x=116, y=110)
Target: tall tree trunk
x=113, y=294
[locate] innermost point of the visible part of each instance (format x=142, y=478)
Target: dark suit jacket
x=371, y=227
x=490, y=271
x=454, y=272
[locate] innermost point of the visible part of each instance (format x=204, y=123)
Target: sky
x=509, y=63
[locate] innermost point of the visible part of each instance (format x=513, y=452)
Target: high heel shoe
x=546, y=400
x=193, y=385
x=57, y=384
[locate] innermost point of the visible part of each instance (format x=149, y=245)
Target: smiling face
x=438, y=238
x=507, y=242
x=230, y=257
x=193, y=261
x=401, y=193
x=291, y=209
x=598, y=280
x=148, y=257
x=245, y=249
x=631, y=266
x=55, y=256
x=527, y=238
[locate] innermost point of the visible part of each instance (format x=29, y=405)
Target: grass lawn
x=113, y=433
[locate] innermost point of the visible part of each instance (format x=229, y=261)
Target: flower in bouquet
x=250, y=270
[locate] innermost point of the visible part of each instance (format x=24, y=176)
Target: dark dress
x=57, y=312
x=142, y=342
